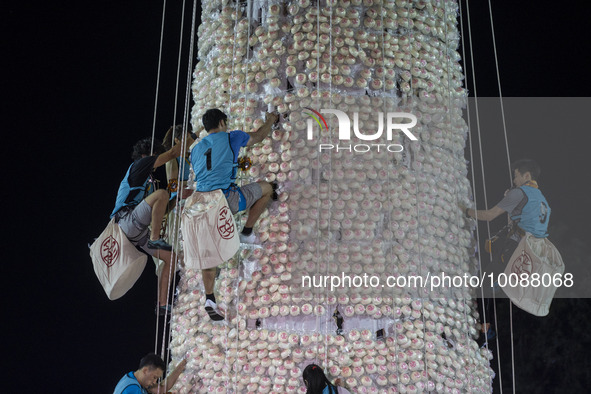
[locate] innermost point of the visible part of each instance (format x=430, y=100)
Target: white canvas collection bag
x=117, y=263
x=533, y=256
x=209, y=231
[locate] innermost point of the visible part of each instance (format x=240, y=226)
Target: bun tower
x=369, y=159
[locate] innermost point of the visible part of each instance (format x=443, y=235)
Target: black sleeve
x=141, y=170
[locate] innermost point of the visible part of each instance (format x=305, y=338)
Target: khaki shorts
x=251, y=192
x=134, y=222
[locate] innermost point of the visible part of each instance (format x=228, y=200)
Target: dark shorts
x=248, y=195
x=134, y=221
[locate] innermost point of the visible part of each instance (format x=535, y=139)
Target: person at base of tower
x=317, y=383
x=215, y=163
x=145, y=379
x=139, y=206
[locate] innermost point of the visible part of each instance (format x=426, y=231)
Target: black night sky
x=78, y=85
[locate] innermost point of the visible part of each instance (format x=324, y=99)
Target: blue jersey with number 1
x=215, y=159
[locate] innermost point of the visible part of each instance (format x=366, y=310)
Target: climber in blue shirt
x=528, y=211
x=215, y=163
x=526, y=205
x=139, y=205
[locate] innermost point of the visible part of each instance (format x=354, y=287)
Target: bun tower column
x=369, y=158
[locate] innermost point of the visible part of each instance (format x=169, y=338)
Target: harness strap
x=234, y=162
x=241, y=201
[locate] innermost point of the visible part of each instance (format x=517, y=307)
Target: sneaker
x=248, y=239
x=162, y=310
x=212, y=310
x=159, y=244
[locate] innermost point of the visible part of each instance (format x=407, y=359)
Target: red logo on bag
x=225, y=223
x=110, y=251
x=522, y=264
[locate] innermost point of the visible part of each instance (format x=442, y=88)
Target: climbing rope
x=492, y=27
x=171, y=277
x=158, y=76
x=154, y=133
x=484, y=184
x=484, y=317
x=171, y=274
x=176, y=236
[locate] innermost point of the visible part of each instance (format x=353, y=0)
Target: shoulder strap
x=234, y=161
x=520, y=206
x=230, y=144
